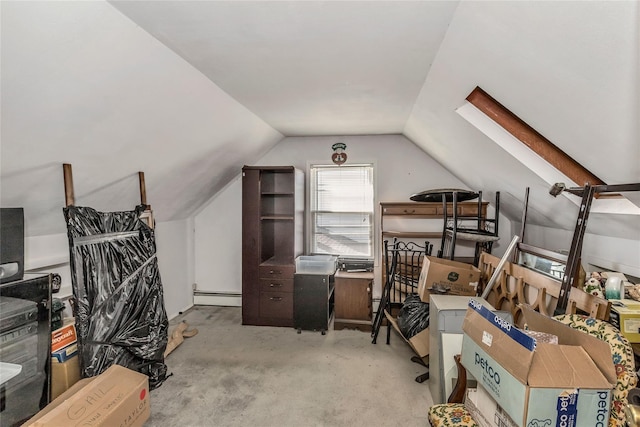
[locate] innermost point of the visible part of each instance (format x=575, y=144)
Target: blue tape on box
x=567, y=408
x=514, y=333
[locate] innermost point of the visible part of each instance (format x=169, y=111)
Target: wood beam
x=531, y=138
x=69, y=196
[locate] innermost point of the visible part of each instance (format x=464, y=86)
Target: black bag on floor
x=413, y=317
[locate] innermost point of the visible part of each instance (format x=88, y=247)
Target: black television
x=11, y=244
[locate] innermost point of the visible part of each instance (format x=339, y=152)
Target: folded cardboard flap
x=557, y=365
x=419, y=342
x=598, y=350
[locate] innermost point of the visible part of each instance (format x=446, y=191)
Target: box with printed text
x=538, y=383
x=117, y=397
x=443, y=276
x=64, y=343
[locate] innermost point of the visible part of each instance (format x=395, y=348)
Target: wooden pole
x=69, y=196
x=143, y=189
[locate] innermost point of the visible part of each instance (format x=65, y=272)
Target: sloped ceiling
x=307, y=68
x=190, y=91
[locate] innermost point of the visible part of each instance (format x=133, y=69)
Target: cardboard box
x=64, y=343
x=566, y=384
x=447, y=277
x=64, y=375
x=419, y=342
x=117, y=397
x=486, y=412
x=625, y=315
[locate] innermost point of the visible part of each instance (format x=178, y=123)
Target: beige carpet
x=234, y=375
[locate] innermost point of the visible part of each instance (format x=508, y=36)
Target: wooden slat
x=143, y=189
x=541, y=286
x=69, y=196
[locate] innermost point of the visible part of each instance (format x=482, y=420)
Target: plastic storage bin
x=316, y=264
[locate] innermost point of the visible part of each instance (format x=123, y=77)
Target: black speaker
x=11, y=244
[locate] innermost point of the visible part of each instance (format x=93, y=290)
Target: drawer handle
x=275, y=272
x=275, y=285
x=276, y=298
x=407, y=211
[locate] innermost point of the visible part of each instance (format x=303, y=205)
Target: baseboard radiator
x=227, y=299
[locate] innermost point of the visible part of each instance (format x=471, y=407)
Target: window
x=341, y=210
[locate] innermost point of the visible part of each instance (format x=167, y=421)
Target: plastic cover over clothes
x=120, y=313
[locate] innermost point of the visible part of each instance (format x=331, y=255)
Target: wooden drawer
x=276, y=305
x=411, y=209
x=430, y=209
x=277, y=271
x=276, y=285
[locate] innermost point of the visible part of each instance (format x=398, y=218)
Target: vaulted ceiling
x=188, y=91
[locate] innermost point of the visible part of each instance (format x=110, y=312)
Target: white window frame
x=313, y=211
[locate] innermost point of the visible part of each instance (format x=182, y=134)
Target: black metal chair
x=479, y=229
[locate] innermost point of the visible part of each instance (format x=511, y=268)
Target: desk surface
x=355, y=274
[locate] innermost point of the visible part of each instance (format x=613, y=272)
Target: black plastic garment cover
x=413, y=317
x=120, y=313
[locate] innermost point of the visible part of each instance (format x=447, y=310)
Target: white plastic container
x=316, y=264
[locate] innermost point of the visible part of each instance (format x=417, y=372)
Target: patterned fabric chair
x=454, y=414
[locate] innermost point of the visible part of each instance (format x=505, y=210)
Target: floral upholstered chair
x=455, y=414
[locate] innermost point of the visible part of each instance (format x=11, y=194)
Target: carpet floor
x=233, y=375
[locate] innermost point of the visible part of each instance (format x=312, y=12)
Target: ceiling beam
x=532, y=138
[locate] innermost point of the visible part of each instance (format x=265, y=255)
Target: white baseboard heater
x=227, y=299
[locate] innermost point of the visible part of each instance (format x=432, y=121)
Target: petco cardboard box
x=565, y=384
x=117, y=397
x=625, y=315
x=444, y=276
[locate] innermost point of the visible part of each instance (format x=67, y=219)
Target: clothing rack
x=69, y=193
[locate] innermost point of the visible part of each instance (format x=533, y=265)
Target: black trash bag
x=413, y=317
x=119, y=310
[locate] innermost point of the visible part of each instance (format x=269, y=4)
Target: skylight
x=525, y=154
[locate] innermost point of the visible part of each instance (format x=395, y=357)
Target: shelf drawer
x=276, y=305
x=276, y=285
x=411, y=210
x=277, y=271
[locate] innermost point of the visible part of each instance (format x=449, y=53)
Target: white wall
x=402, y=169
x=218, y=247
x=174, y=240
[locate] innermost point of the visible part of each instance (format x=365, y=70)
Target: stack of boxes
x=65, y=366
